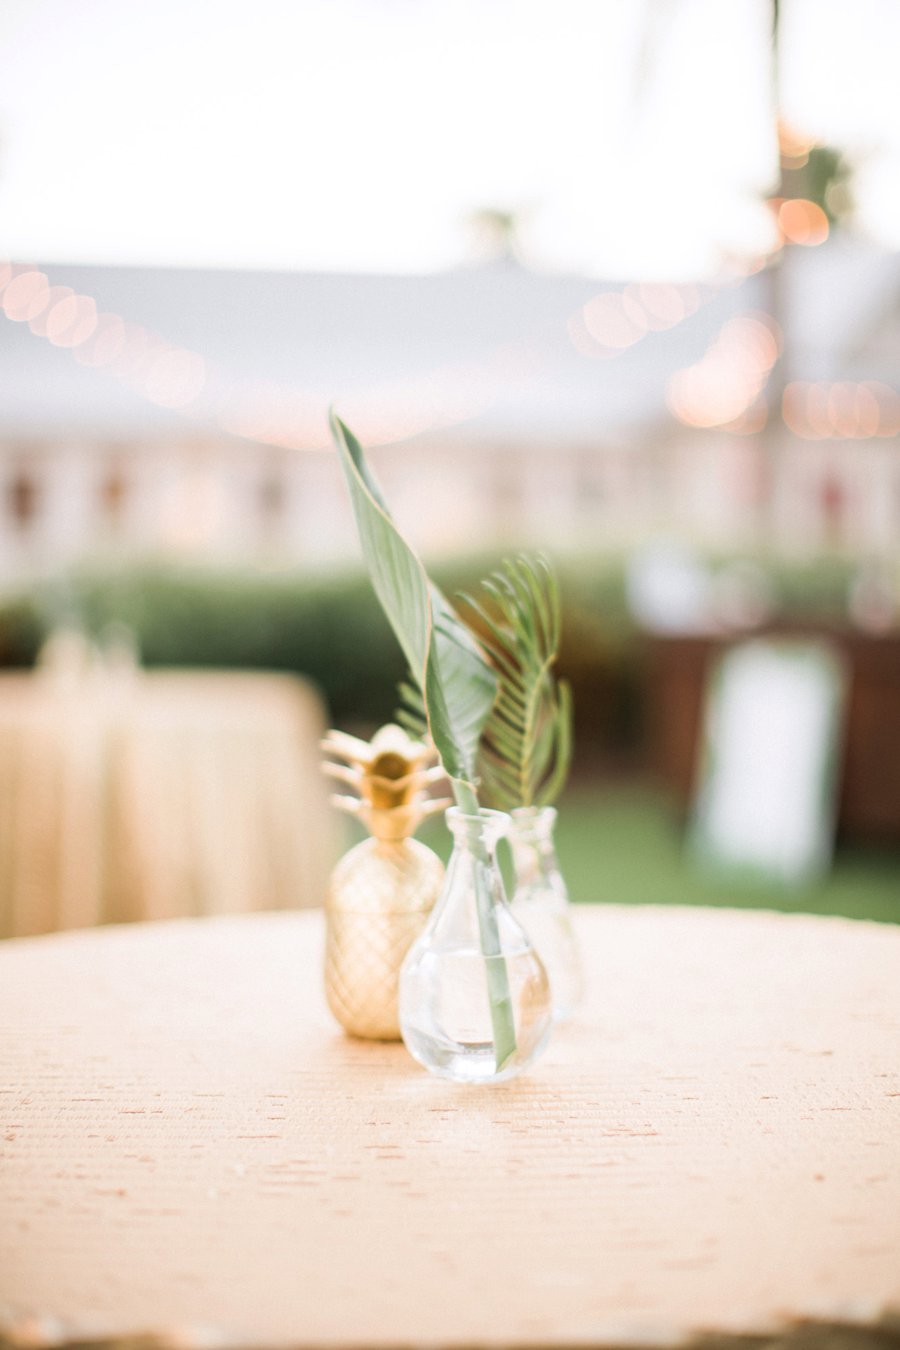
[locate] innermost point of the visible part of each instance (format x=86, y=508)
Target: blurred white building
x=150, y=413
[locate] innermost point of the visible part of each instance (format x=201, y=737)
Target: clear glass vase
x=541, y=904
x=474, y=997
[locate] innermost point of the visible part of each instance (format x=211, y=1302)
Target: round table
x=131, y=794
x=192, y=1149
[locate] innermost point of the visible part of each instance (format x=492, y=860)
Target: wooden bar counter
x=192, y=1153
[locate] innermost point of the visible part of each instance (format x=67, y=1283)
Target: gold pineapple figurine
x=382, y=891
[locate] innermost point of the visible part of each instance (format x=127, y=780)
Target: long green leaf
x=445, y=663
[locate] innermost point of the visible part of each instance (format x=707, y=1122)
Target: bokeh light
x=841, y=410
x=724, y=388
x=802, y=222
x=25, y=296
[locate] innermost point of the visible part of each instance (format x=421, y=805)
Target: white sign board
x=766, y=798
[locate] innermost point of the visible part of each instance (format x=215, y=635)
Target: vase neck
x=473, y=876
x=533, y=847
x=477, y=834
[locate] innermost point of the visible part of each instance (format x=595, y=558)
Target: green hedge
x=331, y=629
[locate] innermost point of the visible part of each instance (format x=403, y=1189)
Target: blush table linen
x=191, y=1151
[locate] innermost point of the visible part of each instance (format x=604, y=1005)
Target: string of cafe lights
x=455, y=393
x=162, y=372
x=616, y=320
x=841, y=410
x=175, y=377
x=724, y=389
x=172, y=376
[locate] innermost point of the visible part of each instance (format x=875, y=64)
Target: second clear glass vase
x=541, y=904
x=475, y=1000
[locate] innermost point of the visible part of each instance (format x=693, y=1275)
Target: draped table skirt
x=139, y=795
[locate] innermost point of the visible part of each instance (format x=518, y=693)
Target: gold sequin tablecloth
x=190, y=1149
x=146, y=795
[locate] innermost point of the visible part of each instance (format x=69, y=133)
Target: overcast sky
x=632, y=137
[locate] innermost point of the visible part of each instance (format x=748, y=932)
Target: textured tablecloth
x=192, y=1149
x=143, y=795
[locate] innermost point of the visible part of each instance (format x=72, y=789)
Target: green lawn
x=623, y=845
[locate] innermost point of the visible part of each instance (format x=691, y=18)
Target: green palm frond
x=411, y=714
x=526, y=742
